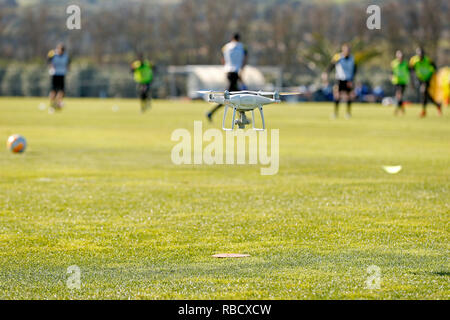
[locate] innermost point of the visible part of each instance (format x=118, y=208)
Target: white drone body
x=242, y=102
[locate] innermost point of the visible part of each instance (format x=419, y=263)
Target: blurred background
x=290, y=43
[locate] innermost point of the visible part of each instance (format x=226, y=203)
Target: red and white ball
x=16, y=143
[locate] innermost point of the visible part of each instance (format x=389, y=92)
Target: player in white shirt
x=234, y=59
x=58, y=62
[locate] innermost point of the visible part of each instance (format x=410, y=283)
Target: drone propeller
x=226, y=96
x=276, y=96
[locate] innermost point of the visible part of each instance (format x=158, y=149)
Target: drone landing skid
x=243, y=120
x=261, y=112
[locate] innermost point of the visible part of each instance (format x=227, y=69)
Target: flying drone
x=242, y=102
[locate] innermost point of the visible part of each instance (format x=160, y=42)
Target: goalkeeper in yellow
x=424, y=69
x=142, y=71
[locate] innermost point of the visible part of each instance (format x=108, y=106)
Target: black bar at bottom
x=220, y=309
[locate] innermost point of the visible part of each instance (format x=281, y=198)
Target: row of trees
x=298, y=35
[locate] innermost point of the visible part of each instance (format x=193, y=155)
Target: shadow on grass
x=433, y=273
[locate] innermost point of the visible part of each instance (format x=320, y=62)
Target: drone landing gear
x=260, y=108
x=243, y=120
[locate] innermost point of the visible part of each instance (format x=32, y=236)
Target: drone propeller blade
x=239, y=92
x=210, y=92
x=266, y=93
x=263, y=93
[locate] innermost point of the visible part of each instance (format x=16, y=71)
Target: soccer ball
x=16, y=143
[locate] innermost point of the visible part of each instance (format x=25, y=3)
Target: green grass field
x=97, y=189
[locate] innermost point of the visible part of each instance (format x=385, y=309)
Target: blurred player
x=234, y=59
x=400, y=79
x=58, y=62
x=424, y=70
x=345, y=66
x=142, y=71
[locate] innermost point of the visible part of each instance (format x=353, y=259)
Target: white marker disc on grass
x=392, y=169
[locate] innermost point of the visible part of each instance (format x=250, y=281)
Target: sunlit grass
x=97, y=189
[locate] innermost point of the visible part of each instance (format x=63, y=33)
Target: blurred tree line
x=299, y=36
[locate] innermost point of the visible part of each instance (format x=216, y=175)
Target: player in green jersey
x=400, y=79
x=424, y=70
x=142, y=71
